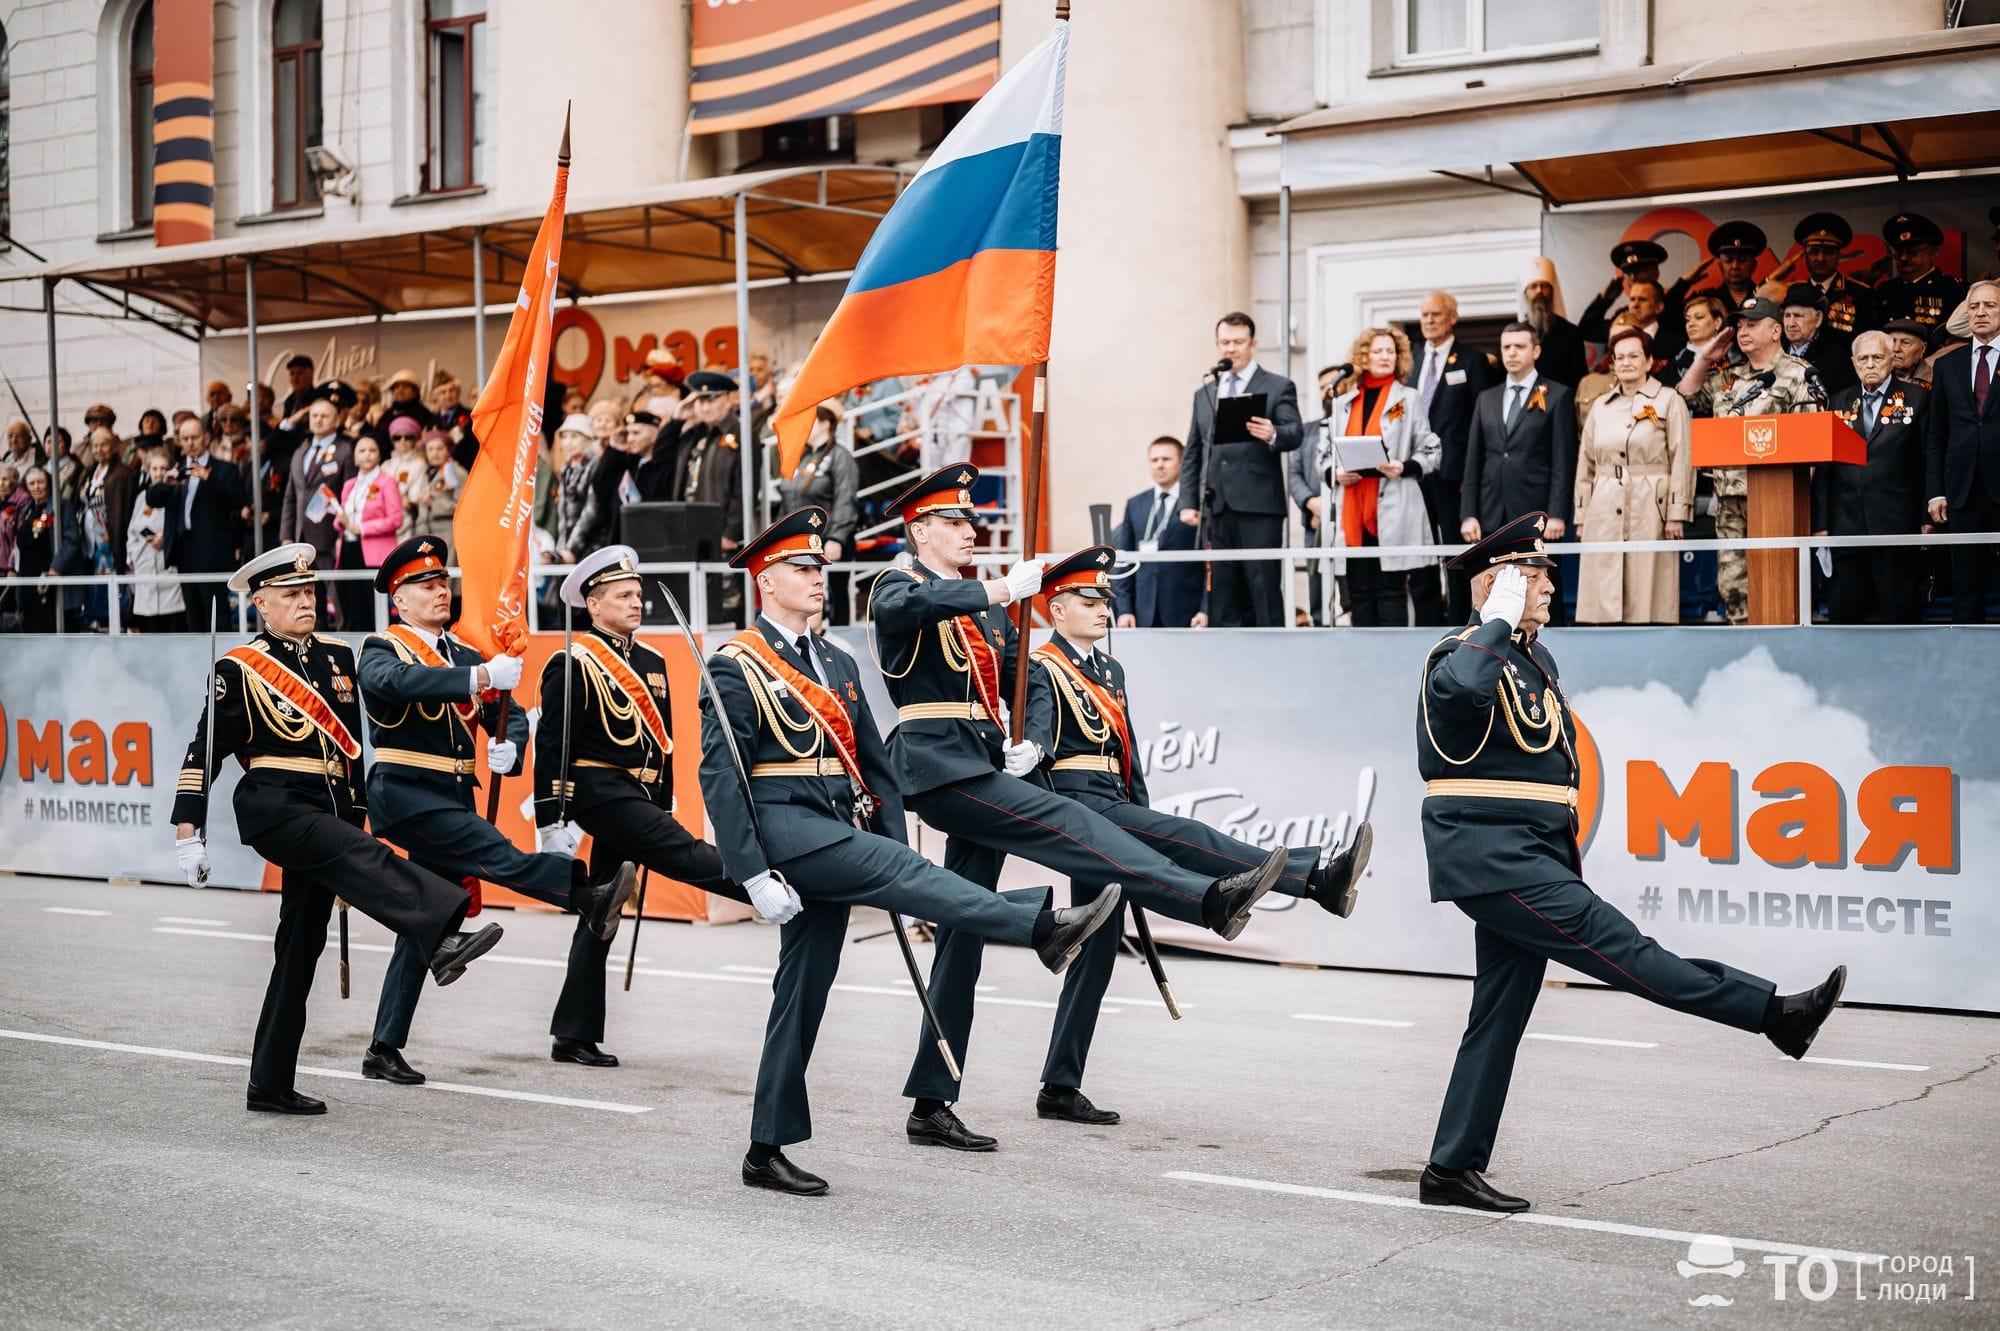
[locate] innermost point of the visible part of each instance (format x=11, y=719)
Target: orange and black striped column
x=183, y=121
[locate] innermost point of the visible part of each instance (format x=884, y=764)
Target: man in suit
x=1159, y=595
x=1450, y=379
x=211, y=498
x=1809, y=337
x=1238, y=489
x=324, y=462
x=1520, y=451
x=1500, y=834
x=1885, y=497
x=1962, y=463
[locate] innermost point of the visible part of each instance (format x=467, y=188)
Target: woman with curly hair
x=1384, y=505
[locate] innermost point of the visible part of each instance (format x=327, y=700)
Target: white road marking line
x=1592, y=1039
x=213, y=933
x=72, y=910
x=1864, y=1063
x=192, y=919
x=341, y=1074
x=1349, y=1021
x=1529, y=1218
x=750, y=970
x=1150, y=1000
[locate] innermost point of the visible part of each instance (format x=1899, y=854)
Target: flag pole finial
x=562, y=153
x=1062, y=11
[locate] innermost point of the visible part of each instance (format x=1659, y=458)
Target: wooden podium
x=1779, y=453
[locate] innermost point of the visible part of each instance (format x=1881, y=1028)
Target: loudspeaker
x=662, y=533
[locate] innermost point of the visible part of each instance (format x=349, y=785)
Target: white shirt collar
x=430, y=639
x=1443, y=349
x=1527, y=383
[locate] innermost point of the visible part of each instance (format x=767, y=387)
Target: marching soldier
x=426, y=694
x=1918, y=290
x=826, y=817
x=1736, y=247
x=604, y=766
x=284, y=705
x=1079, y=717
x=1500, y=831
x=946, y=651
x=1822, y=239
x=1765, y=382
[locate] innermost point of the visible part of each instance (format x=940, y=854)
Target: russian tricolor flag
x=962, y=270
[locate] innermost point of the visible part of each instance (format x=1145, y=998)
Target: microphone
x=1221, y=367
x=1750, y=388
x=1341, y=370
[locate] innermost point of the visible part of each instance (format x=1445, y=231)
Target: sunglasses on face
x=398, y=437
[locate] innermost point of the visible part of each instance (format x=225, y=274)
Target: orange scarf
x=820, y=702
x=427, y=655
x=299, y=692
x=1359, y=504
x=1107, y=703
x=596, y=651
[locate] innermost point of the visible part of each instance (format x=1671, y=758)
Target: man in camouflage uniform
x=1766, y=383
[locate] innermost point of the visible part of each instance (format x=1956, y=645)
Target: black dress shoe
x=1239, y=893
x=457, y=952
x=781, y=1175
x=1337, y=883
x=261, y=1101
x=943, y=1129
x=1800, y=1015
x=385, y=1063
x=608, y=901
x=585, y=1052
x=1066, y=1102
x=1464, y=1187
x=1074, y=924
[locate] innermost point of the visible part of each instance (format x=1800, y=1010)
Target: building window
x=295, y=102
x=800, y=142
x=455, y=54
x=142, y=115
x=6, y=136
x=1453, y=31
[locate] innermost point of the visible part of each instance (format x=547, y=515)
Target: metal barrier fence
x=1296, y=559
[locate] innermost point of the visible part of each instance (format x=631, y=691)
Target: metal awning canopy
x=1859, y=109
x=797, y=222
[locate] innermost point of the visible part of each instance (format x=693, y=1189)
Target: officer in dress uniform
x=1918, y=290
x=946, y=650
x=610, y=694
x=286, y=707
x=1079, y=717
x=1822, y=239
x=425, y=694
x=1497, y=747
x=827, y=818
x=1639, y=261
x=707, y=451
x=1736, y=247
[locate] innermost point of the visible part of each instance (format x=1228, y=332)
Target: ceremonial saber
x=638, y=917
x=750, y=804
x=1364, y=798
x=1153, y=962
x=342, y=905
x=208, y=730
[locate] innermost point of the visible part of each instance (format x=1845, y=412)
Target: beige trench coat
x=1633, y=476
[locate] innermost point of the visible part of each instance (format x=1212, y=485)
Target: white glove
x=500, y=755
x=1024, y=579
x=503, y=672
x=1508, y=597
x=192, y=856
x=1020, y=759
x=773, y=898
x=561, y=839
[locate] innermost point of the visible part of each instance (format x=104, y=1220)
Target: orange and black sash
x=1107, y=703
x=279, y=679
x=428, y=656
x=820, y=702
x=985, y=661
x=595, y=650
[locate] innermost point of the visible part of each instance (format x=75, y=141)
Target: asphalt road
x=1262, y=1177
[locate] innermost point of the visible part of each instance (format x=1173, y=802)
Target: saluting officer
x=605, y=710
x=1497, y=747
x=285, y=705
x=1919, y=290
x=1079, y=716
x=426, y=694
x=827, y=820
x=1822, y=239
x=946, y=650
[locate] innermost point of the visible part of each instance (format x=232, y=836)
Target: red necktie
x=1982, y=379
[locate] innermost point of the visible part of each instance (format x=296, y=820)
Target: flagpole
x=1031, y=532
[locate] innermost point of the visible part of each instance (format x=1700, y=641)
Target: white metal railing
x=1295, y=559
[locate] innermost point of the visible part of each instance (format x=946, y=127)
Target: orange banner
x=489, y=532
